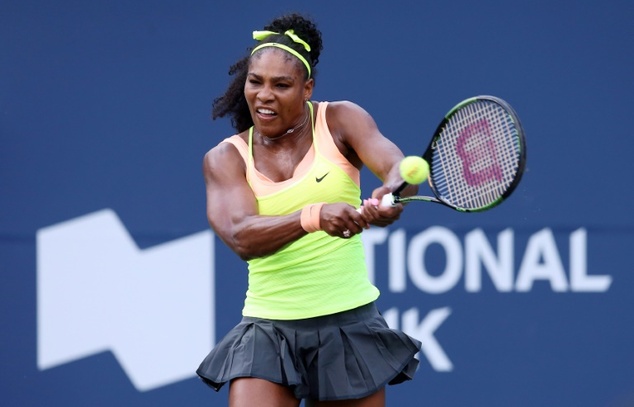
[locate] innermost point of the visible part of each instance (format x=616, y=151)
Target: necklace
x=291, y=130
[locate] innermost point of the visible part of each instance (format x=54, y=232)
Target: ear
x=308, y=89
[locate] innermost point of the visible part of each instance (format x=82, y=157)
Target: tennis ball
x=414, y=170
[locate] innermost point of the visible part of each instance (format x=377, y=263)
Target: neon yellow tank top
x=317, y=274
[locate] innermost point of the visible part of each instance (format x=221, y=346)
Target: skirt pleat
x=342, y=356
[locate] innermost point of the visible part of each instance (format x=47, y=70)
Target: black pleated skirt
x=347, y=355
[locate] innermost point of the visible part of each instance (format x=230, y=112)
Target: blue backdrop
x=113, y=287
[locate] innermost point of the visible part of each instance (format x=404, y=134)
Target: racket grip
x=388, y=200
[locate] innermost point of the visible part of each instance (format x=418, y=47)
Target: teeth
x=265, y=111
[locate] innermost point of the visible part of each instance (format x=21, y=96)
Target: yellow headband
x=261, y=35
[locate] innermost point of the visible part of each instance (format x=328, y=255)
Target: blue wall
x=104, y=119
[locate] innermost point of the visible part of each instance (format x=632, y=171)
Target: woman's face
x=276, y=91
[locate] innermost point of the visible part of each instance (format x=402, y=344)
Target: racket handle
x=388, y=200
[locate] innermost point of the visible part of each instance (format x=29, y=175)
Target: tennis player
x=282, y=193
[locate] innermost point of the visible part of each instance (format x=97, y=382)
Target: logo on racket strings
x=476, y=148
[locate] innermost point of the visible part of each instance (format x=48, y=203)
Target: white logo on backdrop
x=97, y=291
x=477, y=258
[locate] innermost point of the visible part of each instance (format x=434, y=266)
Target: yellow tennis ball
x=414, y=170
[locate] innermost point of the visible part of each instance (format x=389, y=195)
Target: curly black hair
x=233, y=103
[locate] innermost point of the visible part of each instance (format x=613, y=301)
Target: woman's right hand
x=342, y=220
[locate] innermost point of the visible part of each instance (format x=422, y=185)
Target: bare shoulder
x=347, y=119
x=223, y=158
x=345, y=109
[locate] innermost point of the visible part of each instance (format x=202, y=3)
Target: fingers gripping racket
x=476, y=157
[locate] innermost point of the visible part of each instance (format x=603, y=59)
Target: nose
x=265, y=94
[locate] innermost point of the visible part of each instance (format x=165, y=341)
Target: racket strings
x=478, y=176
x=476, y=156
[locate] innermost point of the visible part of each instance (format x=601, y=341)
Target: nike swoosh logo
x=319, y=179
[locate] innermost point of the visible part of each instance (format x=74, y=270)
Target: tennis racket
x=476, y=157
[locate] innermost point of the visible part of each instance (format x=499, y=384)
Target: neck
x=291, y=130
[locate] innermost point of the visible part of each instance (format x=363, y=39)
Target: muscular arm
x=232, y=208
x=358, y=136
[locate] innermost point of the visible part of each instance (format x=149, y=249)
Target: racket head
x=477, y=155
